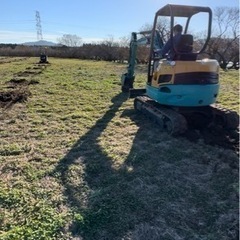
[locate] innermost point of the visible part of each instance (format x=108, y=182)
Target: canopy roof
x=181, y=10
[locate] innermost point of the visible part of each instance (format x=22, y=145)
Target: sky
x=92, y=20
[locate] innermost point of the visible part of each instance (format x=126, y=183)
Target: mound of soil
x=18, y=94
x=19, y=85
x=11, y=97
x=21, y=81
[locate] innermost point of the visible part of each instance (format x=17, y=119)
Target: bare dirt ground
x=17, y=90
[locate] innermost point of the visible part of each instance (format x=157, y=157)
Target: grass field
x=77, y=162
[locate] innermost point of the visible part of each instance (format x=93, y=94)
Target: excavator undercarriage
x=177, y=120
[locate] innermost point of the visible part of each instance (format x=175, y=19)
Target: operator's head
x=177, y=29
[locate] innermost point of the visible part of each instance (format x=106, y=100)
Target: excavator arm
x=128, y=78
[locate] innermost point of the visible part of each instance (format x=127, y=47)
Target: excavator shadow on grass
x=142, y=197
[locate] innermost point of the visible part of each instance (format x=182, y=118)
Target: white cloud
x=21, y=37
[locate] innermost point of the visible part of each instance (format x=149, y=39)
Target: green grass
x=229, y=89
x=77, y=161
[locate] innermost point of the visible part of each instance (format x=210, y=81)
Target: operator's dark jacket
x=168, y=48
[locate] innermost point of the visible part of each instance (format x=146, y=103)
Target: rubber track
x=167, y=119
x=229, y=118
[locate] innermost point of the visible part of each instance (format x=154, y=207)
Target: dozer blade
x=136, y=92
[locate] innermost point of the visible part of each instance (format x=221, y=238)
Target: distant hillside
x=40, y=43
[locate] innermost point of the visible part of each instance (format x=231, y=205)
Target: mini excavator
x=182, y=91
x=43, y=56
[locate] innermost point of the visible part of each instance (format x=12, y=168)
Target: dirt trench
x=17, y=89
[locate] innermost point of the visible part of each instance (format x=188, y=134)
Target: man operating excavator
x=167, y=50
x=168, y=47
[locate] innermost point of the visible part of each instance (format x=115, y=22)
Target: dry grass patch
x=77, y=161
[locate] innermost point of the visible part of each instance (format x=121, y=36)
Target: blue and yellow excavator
x=182, y=91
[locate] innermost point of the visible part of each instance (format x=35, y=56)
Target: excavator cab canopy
x=181, y=10
x=196, y=22
x=190, y=17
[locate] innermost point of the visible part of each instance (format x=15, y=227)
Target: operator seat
x=184, y=49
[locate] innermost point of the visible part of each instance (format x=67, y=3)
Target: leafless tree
x=224, y=45
x=124, y=41
x=163, y=26
x=70, y=40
